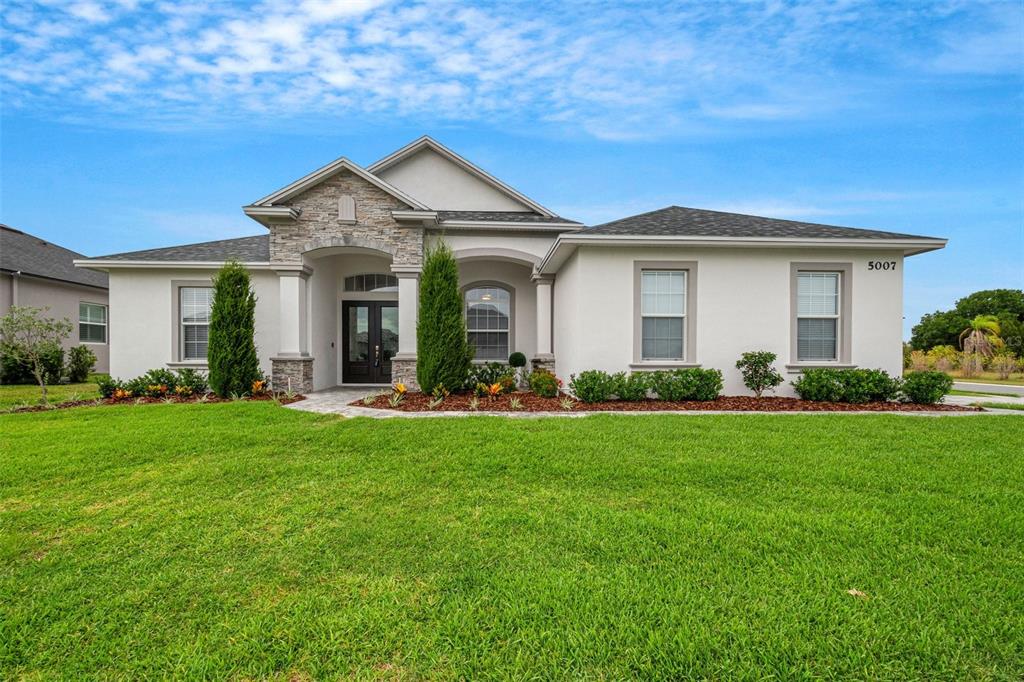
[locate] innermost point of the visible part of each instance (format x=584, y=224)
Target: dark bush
x=232, y=358
x=543, y=383
x=192, y=380
x=490, y=373
x=759, y=374
x=14, y=372
x=847, y=385
x=81, y=360
x=631, y=386
x=926, y=388
x=592, y=386
x=108, y=385
x=692, y=383
x=443, y=354
x=517, y=359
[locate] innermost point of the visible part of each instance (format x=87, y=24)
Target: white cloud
x=615, y=72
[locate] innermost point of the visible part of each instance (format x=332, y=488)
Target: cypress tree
x=231, y=352
x=443, y=354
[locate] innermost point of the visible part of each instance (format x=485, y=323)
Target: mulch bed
x=97, y=402
x=419, y=402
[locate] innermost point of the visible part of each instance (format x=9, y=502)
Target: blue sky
x=131, y=124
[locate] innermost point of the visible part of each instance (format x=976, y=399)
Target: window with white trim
x=380, y=283
x=663, y=314
x=196, y=303
x=488, y=321
x=818, y=317
x=92, y=323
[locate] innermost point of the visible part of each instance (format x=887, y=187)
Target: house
x=36, y=273
x=336, y=273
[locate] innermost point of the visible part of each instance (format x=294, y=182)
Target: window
x=92, y=323
x=488, y=321
x=817, y=310
x=195, y=321
x=377, y=283
x=663, y=314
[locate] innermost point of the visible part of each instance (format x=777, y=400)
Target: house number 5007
x=881, y=265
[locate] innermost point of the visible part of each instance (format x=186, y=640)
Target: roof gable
x=333, y=168
x=28, y=254
x=441, y=178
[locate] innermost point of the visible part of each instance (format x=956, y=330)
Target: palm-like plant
x=981, y=335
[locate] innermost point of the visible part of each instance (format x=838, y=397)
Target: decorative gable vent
x=347, y=209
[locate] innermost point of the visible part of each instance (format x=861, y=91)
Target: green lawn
x=1015, y=379
x=28, y=394
x=244, y=540
x=981, y=393
x=1002, y=406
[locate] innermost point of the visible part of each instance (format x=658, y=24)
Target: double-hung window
x=663, y=314
x=818, y=320
x=92, y=323
x=195, y=321
x=489, y=321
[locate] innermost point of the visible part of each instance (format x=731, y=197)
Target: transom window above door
x=379, y=283
x=489, y=321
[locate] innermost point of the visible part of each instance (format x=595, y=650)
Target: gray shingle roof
x=23, y=252
x=244, y=249
x=695, y=222
x=502, y=216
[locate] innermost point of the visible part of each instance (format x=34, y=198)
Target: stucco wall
x=743, y=303
x=516, y=278
x=532, y=246
x=62, y=300
x=141, y=335
x=442, y=185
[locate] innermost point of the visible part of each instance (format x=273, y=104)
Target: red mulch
x=419, y=402
x=97, y=402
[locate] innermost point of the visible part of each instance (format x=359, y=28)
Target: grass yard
x=16, y=395
x=981, y=393
x=244, y=540
x=1015, y=379
x=1002, y=406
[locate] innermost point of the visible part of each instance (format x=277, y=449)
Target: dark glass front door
x=369, y=341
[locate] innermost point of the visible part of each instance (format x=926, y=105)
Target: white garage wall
x=743, y=304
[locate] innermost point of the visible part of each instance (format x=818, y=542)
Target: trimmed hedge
x=691, y=383
x=631, y=386
x=926, y=388
x=847, y=385
x=593, y=386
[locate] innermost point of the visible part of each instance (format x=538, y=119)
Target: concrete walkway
x=336, y=401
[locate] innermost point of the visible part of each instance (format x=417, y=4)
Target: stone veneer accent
x=404, y=372
x=543, y=362
x=298, y=370
x=319, y=224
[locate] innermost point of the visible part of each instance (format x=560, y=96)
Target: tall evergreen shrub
x=231, y=352
x=443, y=354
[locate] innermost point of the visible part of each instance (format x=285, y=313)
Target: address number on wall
x=881, y=265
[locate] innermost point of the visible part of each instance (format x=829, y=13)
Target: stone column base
x=292, y=374
x=543, y=362
x=403, y=371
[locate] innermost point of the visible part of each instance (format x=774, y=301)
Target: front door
x=369, y=341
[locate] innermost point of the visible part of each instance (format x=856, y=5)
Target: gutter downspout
x=14, y=287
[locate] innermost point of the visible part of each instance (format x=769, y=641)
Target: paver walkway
x=336, y=401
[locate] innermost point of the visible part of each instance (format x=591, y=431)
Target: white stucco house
x=336, y=270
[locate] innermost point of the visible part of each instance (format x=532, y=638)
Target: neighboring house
x=36, y=273
x=336, y=279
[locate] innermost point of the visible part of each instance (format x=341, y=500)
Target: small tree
x=30, y=338
x=758, y=373
x=981, y=336
x=231, y=353
x=443, y=354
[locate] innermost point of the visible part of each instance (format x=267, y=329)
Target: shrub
x=692, y=383
x=108, y=386
x=971, y=364
x=631, y=386
x=14, y=370
x=944, y=358
x=919, y=361
x=81, y=360
x=926, y=388
x=192, y=380
x=232, y=350
x=758, y=372
x=847, y=385
x=443, y=354
x=543, y=383
x=489, y=374
x=1004, y=364
x=517, y=359
x=592, y=386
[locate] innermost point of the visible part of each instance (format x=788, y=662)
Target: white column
x=293, y=323
x=544, y=286
x=408, y=310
